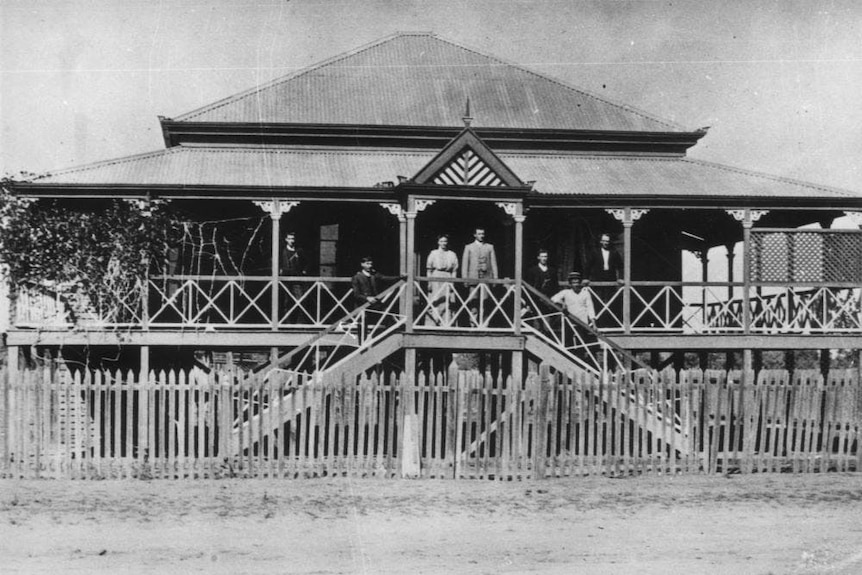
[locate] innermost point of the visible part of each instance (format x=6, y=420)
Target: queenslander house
x=275, y=195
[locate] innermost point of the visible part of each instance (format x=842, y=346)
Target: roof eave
x=179, y=191
x=388, y=194
x=539, y=200
x=425, y=137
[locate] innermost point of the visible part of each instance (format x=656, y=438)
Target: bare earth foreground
x=684, y=524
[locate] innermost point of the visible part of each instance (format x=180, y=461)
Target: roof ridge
x=102, y=163
x=765, y=176
x=293, y=75
x=554, y=80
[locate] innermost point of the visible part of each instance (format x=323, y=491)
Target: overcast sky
x=777, y=81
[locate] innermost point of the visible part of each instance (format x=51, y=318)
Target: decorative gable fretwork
x=467, y=169
x=467, y=161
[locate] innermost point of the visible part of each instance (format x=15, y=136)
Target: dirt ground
x=685, y=524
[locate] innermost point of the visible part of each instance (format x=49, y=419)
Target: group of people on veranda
x=604, y=264
x=478, y=261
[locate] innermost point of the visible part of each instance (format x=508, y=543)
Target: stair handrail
x=616, y=347
x=610, y=343
x=382, y=297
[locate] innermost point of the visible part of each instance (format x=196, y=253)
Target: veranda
x=798, y=287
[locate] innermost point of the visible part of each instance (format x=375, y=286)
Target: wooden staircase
x=349, y=347
x=366, y=337
x=656, y=417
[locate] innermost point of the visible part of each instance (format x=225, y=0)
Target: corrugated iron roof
x=211, y=166
x=419, y=79
x=554, y=174
x=649, y=176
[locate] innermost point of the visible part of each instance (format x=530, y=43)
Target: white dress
x=440, y=264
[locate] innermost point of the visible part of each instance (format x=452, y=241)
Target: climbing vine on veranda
x=99, y=251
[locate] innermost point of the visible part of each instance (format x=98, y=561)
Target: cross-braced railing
x=657, y=308
x=608, y=302
x=718, y=310
x=465, y=304
x=246, y=301
x=359, y=329
x=319, y=301
x=690, y=307
x=196, y=301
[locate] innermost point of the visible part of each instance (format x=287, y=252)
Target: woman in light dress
x=441, y=263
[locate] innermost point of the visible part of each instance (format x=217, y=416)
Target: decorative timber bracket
x=276, y=208
x=421, y=204
x=747, y=216
x=855, y=217
x=394, y=209
x=628, y=216
x=511, y=208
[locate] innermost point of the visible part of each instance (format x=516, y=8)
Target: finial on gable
x=468, y=119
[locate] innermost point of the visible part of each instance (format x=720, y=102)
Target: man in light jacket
x=479, y=262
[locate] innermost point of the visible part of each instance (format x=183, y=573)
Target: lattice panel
x=806, y=256
x=842, y=261
x=467, y=169
x=770, y=257
x=807, y=262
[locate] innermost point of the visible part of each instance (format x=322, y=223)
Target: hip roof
x=419, y=79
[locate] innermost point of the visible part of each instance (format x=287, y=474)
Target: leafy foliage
x=97, y=250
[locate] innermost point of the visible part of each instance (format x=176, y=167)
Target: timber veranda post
x=407, y=302
x=747, y=224
x=627, y=270
x=519, y=218
x=518, y=355
x=408, y=421
x=275, y=218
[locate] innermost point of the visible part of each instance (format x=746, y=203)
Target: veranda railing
x=61, y=423
x=246, y=301
x=314, y=303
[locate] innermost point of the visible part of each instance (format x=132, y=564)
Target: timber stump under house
x=457, y=140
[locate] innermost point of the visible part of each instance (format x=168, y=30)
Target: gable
x=467, y=161
x=467, y=169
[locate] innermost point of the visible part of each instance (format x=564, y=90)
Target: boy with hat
x=577, y=301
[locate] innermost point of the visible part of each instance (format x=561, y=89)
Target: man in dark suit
x=542, y=276
x=606, y=265
x=292, y=263
x=366, y=283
